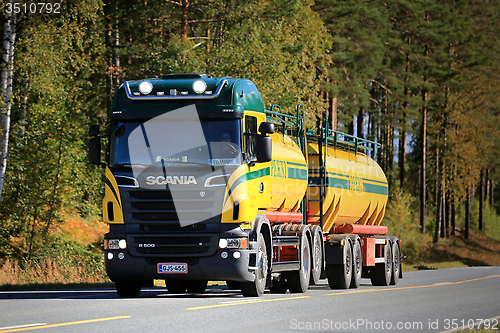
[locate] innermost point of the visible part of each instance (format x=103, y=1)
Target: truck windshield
x=162, y=143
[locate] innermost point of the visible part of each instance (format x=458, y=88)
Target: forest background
x=421, y=77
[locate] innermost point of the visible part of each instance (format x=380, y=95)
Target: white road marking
x=22, y=326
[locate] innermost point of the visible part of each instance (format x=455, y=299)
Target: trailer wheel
x=256, y=288
x=298, y=281
x=396, y=263
x=340, y=275
x=317, y=256
x=128, y=289
x=196, y=286
x=357, y=266
x=175, y=286
x=382, y=272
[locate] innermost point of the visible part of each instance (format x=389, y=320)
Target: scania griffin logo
x=160, y=180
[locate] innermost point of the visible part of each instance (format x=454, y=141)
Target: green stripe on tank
x=345, y=184
x=294, y=173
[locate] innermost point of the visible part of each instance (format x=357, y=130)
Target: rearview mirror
x=266, y=128
x=264, y=149
x=95, y=150
x=94, y=130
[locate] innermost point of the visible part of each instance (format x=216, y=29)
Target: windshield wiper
x=180, y=162
x=131, y=165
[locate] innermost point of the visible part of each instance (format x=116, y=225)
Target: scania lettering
x=203, y=183
x=160, y=180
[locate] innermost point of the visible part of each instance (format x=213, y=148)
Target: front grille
x=197, y=227
x=180, y=223
x=166, y=194
x=174, y=251
x=184, y=206
x=173, y=240
x=173, y=245
x=170, y=205
x=186, y=217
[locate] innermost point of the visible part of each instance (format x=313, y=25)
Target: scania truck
x=202, y=183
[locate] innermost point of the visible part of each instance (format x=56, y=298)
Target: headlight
x=199, y=86
x=145, y=87
x=233, y=243
x=115, y=244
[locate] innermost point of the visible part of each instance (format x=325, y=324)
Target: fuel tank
x=355, y=188
x=288, y=175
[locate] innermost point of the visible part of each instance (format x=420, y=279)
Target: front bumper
x=212, y=268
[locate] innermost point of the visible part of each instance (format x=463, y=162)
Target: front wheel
x=256, y=288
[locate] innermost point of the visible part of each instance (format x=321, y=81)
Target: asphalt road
x=423, y=301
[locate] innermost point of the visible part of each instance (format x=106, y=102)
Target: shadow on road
x=212, y=292
x=110, y=293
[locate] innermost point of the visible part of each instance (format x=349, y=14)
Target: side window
x=250, y=140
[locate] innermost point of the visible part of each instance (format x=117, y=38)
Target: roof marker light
x=199, y=86
x=145, y=87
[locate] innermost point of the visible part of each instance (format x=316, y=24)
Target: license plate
x=172, y=268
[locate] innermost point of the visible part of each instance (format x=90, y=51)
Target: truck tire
x=196, y=286
x=128, y=289
x=256, y=288
x=357, y=265
x=175, y=286
x=340, y=275
x=381, y=274
x=396, y=263
x=317, y=256
x=298, y=281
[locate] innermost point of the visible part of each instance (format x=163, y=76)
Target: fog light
x=110, y=256
x=121, y=255
x=236, y=255
x=223, y=255
x=222, y=243
x=122, y=244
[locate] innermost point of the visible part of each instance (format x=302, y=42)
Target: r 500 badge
x=173, y=268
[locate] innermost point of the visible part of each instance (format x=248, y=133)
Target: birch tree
x=6, y=85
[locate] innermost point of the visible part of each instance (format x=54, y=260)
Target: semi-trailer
x=202, y=183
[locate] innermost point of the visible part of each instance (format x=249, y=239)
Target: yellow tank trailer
x=202, y=183
x=355, y=192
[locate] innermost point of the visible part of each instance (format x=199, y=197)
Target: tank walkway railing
x=295, y=126
x=341, y=140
